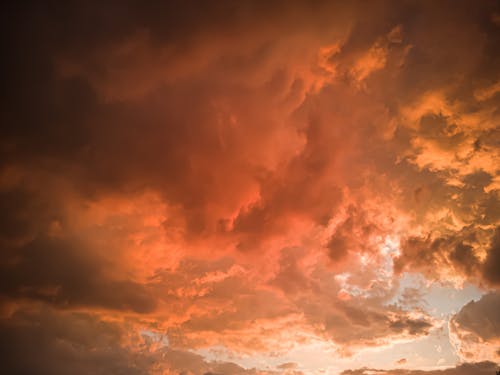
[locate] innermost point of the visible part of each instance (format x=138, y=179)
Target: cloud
x=475, y=329
x=248, y=176
x=51, y=342
x=42, y=260
x=463, y=369
x=492, y=262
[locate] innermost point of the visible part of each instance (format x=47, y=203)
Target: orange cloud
x=251, y=177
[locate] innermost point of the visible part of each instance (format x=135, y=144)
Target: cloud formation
x=475, y=328
x=246, y=177
x=464, y=369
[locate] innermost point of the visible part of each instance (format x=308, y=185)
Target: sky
x=250, y=187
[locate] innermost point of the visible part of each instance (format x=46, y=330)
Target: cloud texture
x=250, y=177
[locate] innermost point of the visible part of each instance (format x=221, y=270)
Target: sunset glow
x=250, y=187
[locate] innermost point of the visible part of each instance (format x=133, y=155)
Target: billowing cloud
x=475, y=329
x=49, y=342
x=247, y=180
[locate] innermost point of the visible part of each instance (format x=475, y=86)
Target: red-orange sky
x=250, y=187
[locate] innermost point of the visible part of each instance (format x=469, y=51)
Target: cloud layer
x=254, y=177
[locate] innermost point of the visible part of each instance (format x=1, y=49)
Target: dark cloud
x=52, y=343
x=476, y=328
x=59, y=268
x=492, y=262
x=463, y=369
x=61, y=273
x=481, y=316
x=343, y=241
x=456, y=252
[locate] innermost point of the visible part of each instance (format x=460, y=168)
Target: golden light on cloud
x=281, y=188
